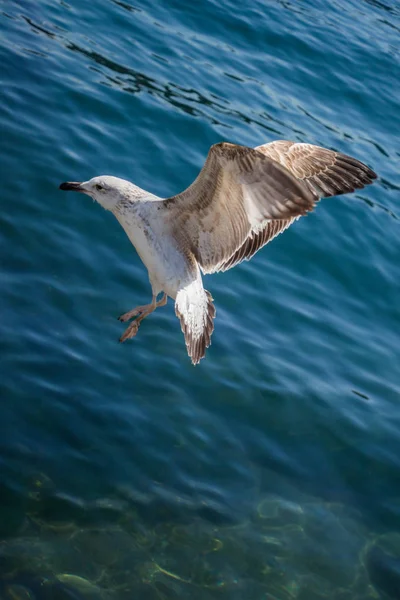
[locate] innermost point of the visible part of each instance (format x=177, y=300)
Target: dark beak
x=72, y=186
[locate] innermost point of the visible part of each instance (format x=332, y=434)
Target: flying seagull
x=241, y=199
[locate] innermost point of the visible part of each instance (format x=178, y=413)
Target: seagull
x=242, y=198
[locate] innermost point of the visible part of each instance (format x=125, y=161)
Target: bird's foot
x=145, y=310
x=130, y=331
x=134, y=312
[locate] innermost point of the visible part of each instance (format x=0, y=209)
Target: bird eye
x=98, y=187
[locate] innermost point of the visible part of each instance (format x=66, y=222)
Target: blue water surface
x=271, y=470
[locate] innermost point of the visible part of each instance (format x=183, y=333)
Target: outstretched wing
x=256, y=240
x=325, y=172
x=195, y=309
x=238, y=191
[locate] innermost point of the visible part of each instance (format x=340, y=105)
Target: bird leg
x=147, y=308
x=143, y=311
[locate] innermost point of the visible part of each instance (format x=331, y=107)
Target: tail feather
x=195, y=309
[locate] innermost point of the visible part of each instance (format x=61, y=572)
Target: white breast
x=156, y=246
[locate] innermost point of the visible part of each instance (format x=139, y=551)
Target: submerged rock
x=277, y=512
x=382, y=562
x=55, y=590
x=86, y=588
x=18, y=592
x=106, y=545
x=66, y=586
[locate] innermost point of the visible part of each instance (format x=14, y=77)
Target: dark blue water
x=271, y=470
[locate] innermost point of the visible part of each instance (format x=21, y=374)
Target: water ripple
x=249, y=474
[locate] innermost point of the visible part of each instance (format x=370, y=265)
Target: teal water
x=271, y=470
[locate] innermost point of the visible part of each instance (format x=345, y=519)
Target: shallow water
x=271, y=469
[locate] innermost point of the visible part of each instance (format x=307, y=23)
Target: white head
x=106, y=190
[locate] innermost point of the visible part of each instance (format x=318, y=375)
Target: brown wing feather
x=239, y=202
x=256, y=241
x=237, y=191
x=327, y=173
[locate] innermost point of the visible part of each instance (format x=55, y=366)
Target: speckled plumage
x=241, y=199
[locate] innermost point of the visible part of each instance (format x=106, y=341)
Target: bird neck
x=133, y=200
